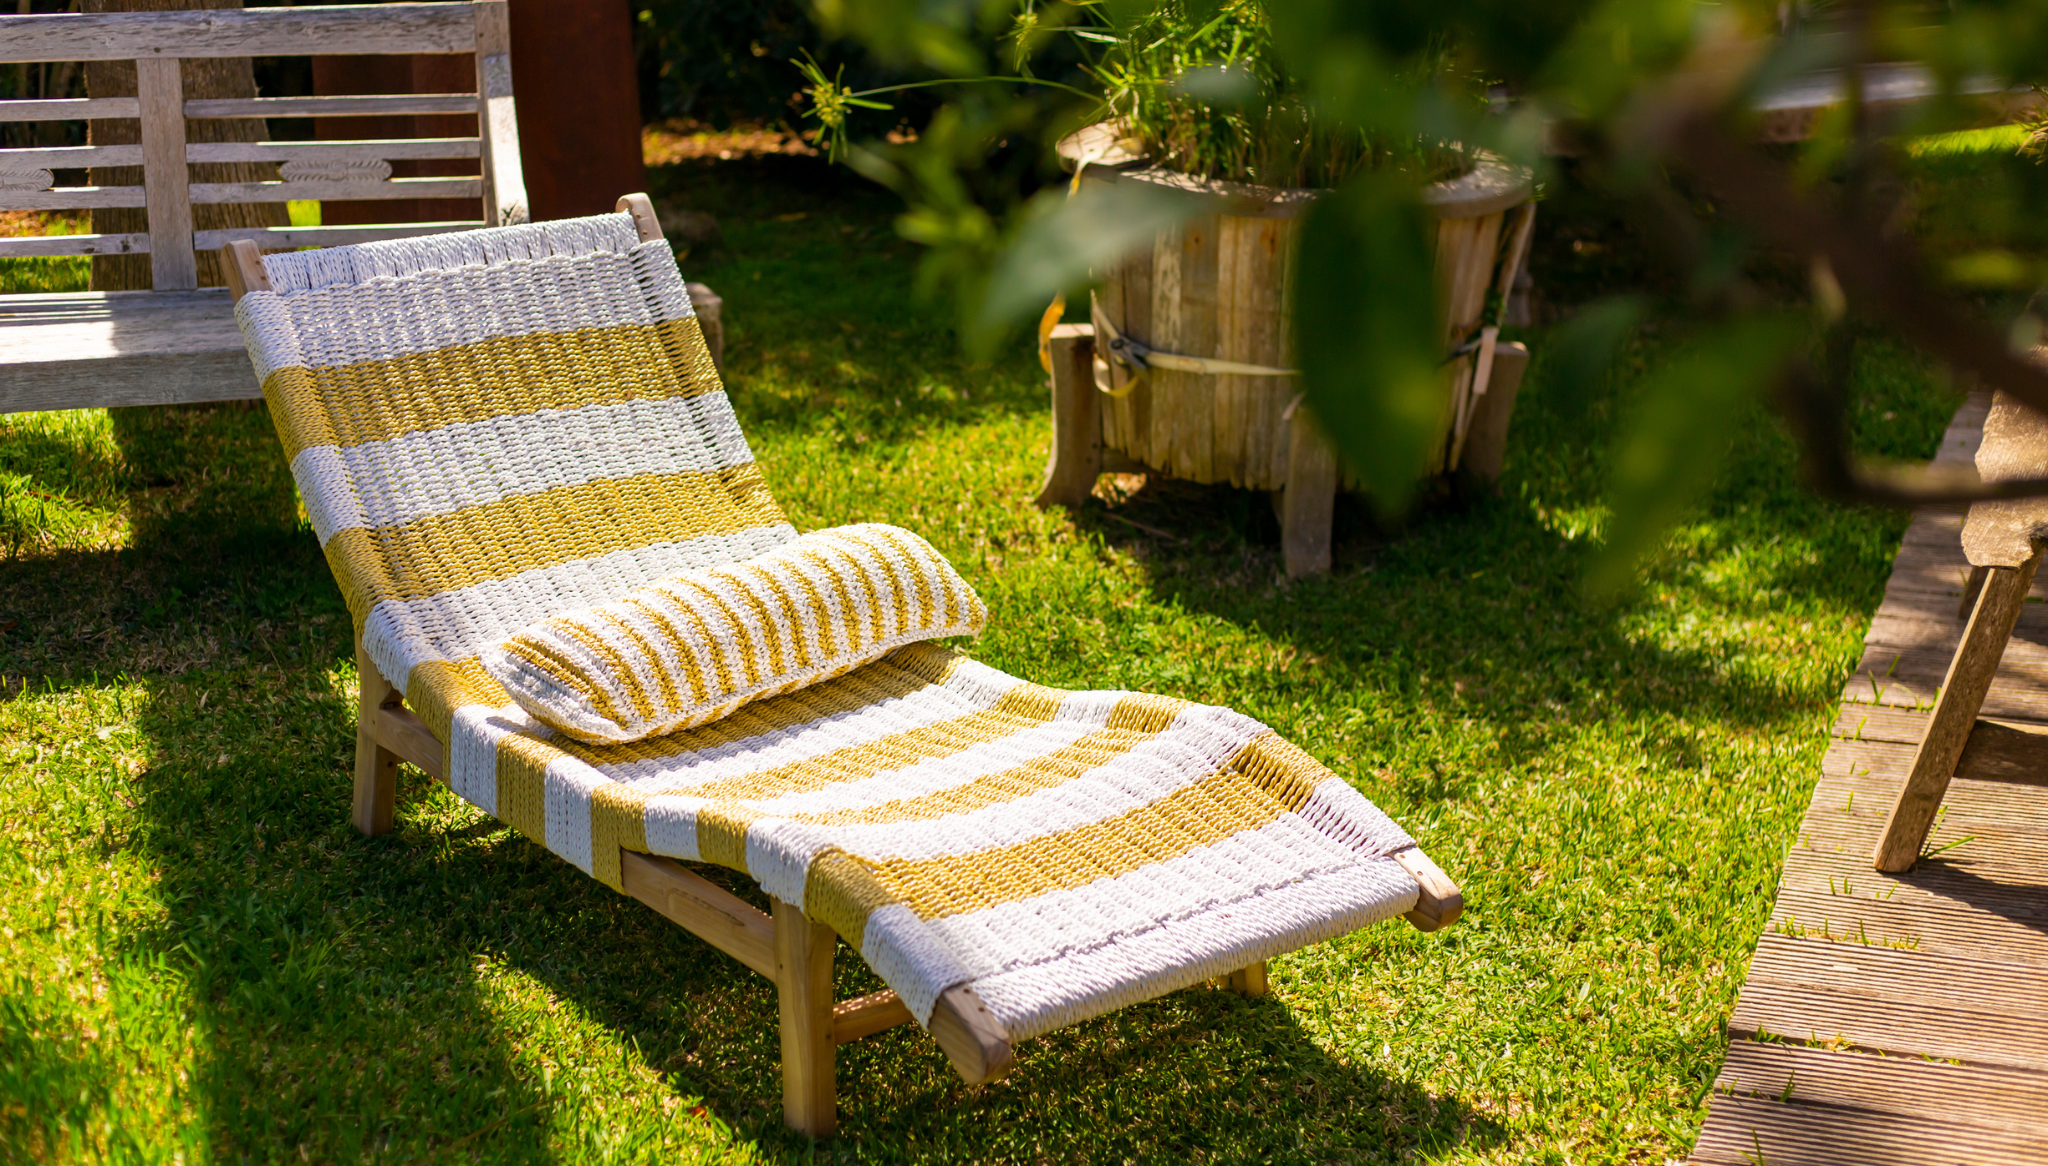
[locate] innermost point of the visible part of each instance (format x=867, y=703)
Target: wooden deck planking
x=1905, y=1019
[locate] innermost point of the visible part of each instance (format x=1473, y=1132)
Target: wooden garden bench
x=178, y=342
x=2003, y=542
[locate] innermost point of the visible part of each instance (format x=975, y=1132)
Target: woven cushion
x=691, y=648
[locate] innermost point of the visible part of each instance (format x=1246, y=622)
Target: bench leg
x=803, y=979
x=1999, y=599
x=376, y=766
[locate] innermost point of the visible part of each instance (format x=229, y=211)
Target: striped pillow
x=695, y=646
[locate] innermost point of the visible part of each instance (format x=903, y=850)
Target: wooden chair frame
x=1992, y=602
x=782, y=944
x=2003, y=542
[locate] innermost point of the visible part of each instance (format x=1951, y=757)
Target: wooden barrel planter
x=1218, y=289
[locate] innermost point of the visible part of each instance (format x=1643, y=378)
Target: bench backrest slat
x=328, y=171
x=240, y=32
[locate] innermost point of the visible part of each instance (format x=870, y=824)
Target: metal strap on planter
x=1142, y=358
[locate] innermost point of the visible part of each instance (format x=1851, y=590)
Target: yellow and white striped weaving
x=493, y=428
x=693, y=647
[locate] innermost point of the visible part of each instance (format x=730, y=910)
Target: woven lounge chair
x=492, y=427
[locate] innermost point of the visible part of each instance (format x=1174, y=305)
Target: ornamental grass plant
x=1201, y=90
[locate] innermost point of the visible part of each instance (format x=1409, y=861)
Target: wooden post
x=1486, y=438
x=2003, y=593
x=579, y=104
x=803, y=981
x=1439, y=901
x=1076, y=459
x=376, y=766
x=242, y=264
x=497, y=124
x=166, y=183
x=1310, y=499
x=641, y=208
x=1250, y=980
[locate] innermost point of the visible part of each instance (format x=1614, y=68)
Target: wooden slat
x=1974, y=1095
x=68, y=157
x=281, y=238
x=334, y=151
x=398, y=730
x=67, y=198
x=1868, y=722
x=49, y=245
x=218, y=192
x=367, y=105
x=702, y=907
x=172, y=347
x=268, y=238
x=69, y=108
x=1942, y=927
x=1892, y=1001
x=238, y=32
x=1743, y=1131
x=867, y=1015
x=1911, y=678
x=165, y=177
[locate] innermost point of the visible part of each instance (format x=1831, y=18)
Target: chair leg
x=803, y=979
x=376, y=767
x=1250, y=980
x=1999, y=599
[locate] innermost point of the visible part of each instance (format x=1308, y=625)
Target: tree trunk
x=203, y=78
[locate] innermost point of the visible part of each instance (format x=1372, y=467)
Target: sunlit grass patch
x=2005, y=139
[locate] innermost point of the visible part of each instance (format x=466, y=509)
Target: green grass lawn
x=204, y=963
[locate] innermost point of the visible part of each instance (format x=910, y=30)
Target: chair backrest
x=326, y=170
x=492, y=427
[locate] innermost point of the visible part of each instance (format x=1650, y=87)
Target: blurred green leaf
x=1619, y=46
x=1584, y=347
x=1062, y=240
x=1680, y=432
x=1365, y=320
x=1217, y=85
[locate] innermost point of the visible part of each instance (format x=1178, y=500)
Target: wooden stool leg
x=1076, y=459
x=803, y=978
x=1250, y=981
x=1999, y=600
x=376, y=766
x=1310, y=500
